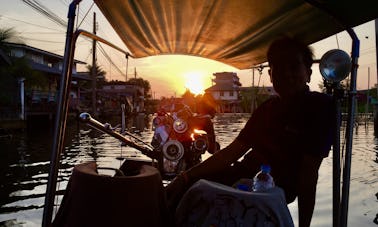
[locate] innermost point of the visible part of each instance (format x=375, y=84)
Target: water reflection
x=24, y=164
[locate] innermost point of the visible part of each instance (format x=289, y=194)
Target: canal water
x=25, y=156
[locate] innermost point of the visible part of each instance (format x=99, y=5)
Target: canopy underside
x=235, y=32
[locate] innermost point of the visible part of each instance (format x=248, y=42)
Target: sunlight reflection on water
x=24, y=169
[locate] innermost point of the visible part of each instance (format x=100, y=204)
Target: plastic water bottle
x=263, y=180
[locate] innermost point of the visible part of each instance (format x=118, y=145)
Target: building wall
x=225, y=95
x=40, y=58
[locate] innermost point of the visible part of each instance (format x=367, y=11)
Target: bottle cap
x=265, y=168
x=242, y=187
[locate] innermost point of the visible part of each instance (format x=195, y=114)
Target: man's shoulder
x=272, y=100
x=318, y=97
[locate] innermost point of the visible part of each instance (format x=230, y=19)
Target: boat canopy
x=235, y=32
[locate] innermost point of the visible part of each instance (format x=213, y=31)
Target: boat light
x=335, y=65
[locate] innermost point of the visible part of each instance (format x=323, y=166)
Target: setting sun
x=196, y=82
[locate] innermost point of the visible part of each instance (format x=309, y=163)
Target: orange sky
x=168, y=75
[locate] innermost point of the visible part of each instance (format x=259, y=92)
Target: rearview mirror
x=335, y=65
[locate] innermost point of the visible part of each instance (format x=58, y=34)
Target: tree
x=145, y=84
x=100, y=75
x=189, y=99
x=17, y=69
x=6, y=34
x=344, y=84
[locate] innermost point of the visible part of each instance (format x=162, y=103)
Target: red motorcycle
x=181, y=137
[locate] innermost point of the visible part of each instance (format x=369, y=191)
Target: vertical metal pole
x=61, y=117
x=349, y=129
x=376, y=58
x=123, y=125
x=94, y=69
x=336, y=158
x=127, y=66
x=22, y=97
x=367, y=97
x=376, y=50
x=253, y=90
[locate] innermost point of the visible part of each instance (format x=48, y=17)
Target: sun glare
x=195, y=82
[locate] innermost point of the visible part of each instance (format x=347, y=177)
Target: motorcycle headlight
x=200, y=143
x=173, y=150
x=180, y=126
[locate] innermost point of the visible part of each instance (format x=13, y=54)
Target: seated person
x=292, y=132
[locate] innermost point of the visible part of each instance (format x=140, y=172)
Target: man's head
x=290, y=64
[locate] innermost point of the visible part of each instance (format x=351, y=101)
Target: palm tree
x=6, y=35
x=6, y=82
x=145, y=84
x=100, y=75
x=15, y=69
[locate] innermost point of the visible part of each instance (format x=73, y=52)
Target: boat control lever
x=146, y=150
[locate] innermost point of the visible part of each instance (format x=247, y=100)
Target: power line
x=85, y=14
x=64, y=3
x=47, y=33
x=109, y=59
x=40, y=8
x=37, y=25
x=41, y=40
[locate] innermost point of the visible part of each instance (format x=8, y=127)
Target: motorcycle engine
x=173, y=150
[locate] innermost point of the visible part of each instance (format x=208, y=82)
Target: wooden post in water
x=367, y=99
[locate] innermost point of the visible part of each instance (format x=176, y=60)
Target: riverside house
x=226, y=92
x=34, y=76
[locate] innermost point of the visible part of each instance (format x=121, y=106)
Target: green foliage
x=142, y=83
x=7, y=88
x=100, y=76
x=246, y=100
x=6, y=34
x=189, y=99
x=20, y=68
x=250, y=97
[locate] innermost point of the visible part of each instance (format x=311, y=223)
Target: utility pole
x=127, y=66
x=94, y=69
x=253, y=77
x=253, y=90
x=376, y=50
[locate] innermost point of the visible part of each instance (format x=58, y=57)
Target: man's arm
x=218, y=161
x=212, y=165
x=308, y=178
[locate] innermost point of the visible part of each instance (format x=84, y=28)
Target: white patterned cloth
x=209, y=203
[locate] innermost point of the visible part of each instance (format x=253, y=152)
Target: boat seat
x=208, y=203
x=99, y=200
